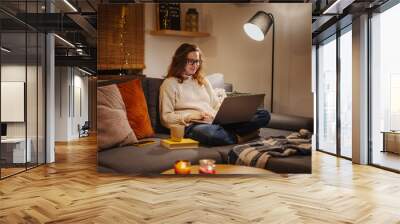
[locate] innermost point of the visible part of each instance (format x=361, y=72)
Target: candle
x=207, y=166
x=182, y=167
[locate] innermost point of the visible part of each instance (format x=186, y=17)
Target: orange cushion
x=136, y=108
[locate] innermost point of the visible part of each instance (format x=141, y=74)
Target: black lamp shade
x=258, y=26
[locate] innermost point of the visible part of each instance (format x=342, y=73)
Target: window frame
x=335, y=36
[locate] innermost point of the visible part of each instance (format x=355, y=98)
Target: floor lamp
x=256, y=28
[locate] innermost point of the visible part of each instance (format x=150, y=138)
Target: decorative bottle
x=192, y=20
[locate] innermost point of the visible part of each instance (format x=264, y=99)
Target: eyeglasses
x=192, y=62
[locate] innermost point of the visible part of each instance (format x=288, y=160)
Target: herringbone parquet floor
x=71, y=191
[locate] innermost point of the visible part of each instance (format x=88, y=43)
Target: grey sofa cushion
x=151, y=89
x=152, y=159
x=290, y=122
x=156, y=159
x=270, y=132
x=292, y=164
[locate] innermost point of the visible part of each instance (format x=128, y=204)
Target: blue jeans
x=216, y=135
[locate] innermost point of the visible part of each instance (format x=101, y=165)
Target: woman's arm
x=167, y=104
x=215, y=102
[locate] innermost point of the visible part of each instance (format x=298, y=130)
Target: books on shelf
x=175, y=15
x=169, y=15
x=185, y=143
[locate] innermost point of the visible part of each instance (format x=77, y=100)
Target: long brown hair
x=177, y=66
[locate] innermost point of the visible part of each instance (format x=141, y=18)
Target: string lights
x=123, y=49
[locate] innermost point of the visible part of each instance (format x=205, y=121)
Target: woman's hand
x=194, y=116
x=199, y=116
x=207, y=116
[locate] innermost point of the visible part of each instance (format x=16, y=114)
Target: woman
x=187, y=97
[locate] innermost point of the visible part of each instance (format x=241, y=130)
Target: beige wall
x=158, y=50
x=244, y=62
x=71, y=87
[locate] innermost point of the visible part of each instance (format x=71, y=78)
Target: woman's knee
x=220, y=136
x=212, y=135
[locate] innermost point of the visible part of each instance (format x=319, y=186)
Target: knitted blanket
x=257, y=153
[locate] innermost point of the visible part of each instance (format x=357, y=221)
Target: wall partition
x=22, y=88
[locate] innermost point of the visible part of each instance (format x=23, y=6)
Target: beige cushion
x=216, y=80
x=113, y=128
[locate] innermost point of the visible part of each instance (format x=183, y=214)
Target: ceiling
x=330, y=17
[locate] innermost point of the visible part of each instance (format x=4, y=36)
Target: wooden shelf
x=178, y=33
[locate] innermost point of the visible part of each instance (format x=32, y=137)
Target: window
x=22, y=66
x=385, y=84
x=334, y=95
x=346, y=93
x=327, y=96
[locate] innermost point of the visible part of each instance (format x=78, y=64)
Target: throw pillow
x=216, y=80
x=136, y=108
x=112, y=123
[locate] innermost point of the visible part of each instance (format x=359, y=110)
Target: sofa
x=154, y=159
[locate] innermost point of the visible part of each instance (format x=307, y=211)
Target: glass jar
x=192, y=20
x=207, y=166
x=182, y=167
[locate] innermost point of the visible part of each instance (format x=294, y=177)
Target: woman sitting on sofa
x=186, y=97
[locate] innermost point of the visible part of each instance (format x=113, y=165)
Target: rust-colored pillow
x=112, y=123
x=136, y=108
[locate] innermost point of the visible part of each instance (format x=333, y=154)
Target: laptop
x=236, y=109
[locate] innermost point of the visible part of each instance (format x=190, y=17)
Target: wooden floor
x=5, y=172
x=71, y=191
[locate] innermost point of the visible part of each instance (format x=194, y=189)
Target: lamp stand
x=257, y=28
x=273, y=61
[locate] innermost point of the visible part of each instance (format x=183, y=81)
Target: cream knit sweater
x=178, y=100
